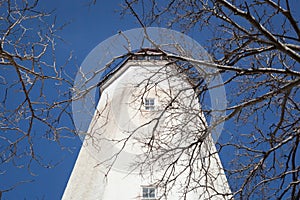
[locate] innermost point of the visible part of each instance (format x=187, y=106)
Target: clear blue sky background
x=88, y=27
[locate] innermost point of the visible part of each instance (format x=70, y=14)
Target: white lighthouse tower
x=148, y=138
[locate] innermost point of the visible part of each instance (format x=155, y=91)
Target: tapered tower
x=148, y=138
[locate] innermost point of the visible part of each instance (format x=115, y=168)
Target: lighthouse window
x=149, y=103
x=149, y=193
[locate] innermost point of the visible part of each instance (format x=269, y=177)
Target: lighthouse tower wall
x=147, y=109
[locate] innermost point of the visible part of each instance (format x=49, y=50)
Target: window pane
x=149, y=103
x=145, y=192
x=151, y=192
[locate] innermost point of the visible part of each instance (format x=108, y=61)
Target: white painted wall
x=120, y=114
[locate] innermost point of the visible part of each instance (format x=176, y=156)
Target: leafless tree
x=34, y=87
x=255, y=45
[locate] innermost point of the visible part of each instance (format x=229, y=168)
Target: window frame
x=149, y=103
x=148, y=194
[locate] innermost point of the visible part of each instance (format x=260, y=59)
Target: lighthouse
x=148, y=138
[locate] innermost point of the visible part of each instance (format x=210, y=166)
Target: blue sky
x=87, y=27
